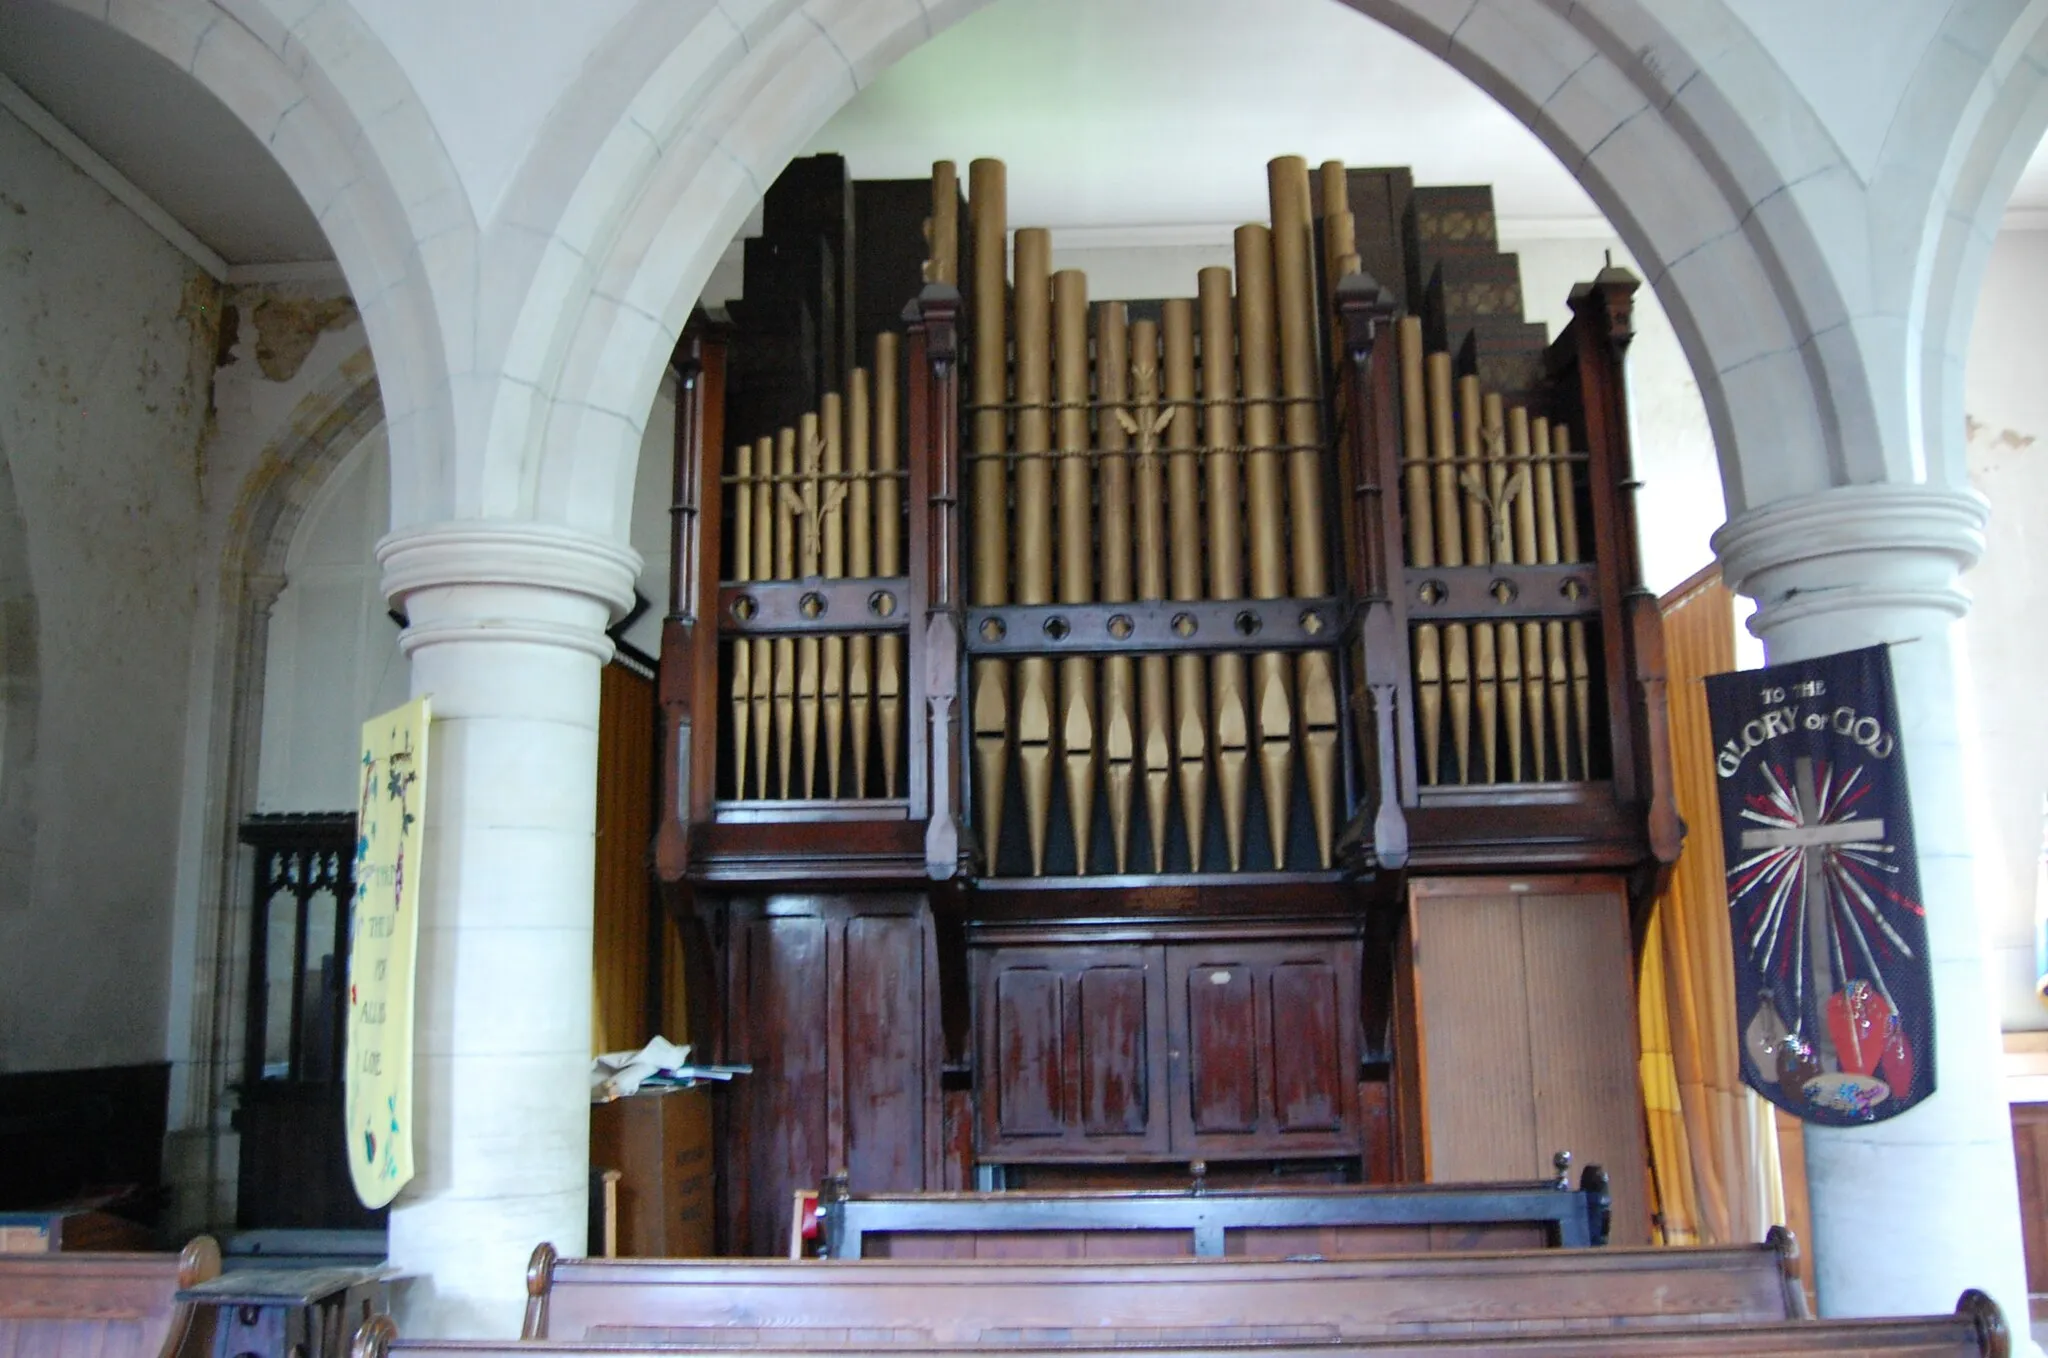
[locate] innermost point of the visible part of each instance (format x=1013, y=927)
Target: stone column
x=507, y=636
x=1906, y=1213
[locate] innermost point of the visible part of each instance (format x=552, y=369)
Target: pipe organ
x=1089, y=720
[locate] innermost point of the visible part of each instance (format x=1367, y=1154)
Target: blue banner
x=1832, y=984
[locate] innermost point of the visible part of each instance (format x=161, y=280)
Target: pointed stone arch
x=1655, y=116
x=326, y=426
x=337, y=113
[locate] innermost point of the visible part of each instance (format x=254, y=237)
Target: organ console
x=1287, y=643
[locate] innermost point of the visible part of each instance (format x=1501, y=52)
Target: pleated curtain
x=1713, y=1154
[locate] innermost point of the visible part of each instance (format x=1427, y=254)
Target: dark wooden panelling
x=786, y=1018
x=2030, y=1154
x=1026, y=1071
x=831, y=999
x=1305, y=1020
x=1072, y=1047
x=1222, y=1052
x=885, y=1008
x=1114, y=1065
x=1222, y=1048
x=625, y=942
x=66, y=1130
x=1269, y=1033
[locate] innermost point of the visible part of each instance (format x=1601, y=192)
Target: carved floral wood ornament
x=1831, y=969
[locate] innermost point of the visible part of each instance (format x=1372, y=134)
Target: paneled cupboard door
x=1264, y=1048
x=1072, y=1047
x=1173, y=1051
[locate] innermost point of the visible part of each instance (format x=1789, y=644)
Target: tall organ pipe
x=987, y=205
x=1034, y=527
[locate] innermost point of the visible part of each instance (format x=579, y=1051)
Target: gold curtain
x=621, y=951
x=1670, y=1148
x=1689, y=959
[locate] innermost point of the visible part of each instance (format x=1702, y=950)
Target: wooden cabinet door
x=1264, y=1048
x=1522, y=1040
x=830, y=1003
x=1072, y=1052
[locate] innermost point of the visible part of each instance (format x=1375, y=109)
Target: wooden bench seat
x=100, y=1305
x=879, y=1303
x=1252, y=1223
x=1975, y=1330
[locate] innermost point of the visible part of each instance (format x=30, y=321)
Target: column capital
x=507, y=580
x=1871, y=549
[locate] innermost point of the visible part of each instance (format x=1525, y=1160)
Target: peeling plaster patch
x=1980, y=435
x=288, y=327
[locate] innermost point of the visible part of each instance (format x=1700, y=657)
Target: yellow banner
x=383, y=936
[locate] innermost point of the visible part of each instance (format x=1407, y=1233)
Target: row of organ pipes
x=1485, y=486
x=1251, y=431
x=821, y=501
x=1110, y=460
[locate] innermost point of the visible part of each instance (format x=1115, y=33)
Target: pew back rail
x=1256, y=1223
x=1976, y=1329
x=881, y=1303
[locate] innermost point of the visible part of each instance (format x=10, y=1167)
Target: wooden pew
x=101, y=1305
x=882, y=1303
x=1975, y=1330
x=1251, y=1223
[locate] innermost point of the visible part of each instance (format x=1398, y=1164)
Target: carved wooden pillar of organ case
x=1521, y=1033
x=832, y=1000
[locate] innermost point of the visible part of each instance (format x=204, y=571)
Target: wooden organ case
x=1219, y=738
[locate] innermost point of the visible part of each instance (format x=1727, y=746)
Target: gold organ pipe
x=1533, y=669
x=1230, y=720
x=1553, y=632
x=1033, y=331
x=1119, y=672
x=782, y=674
x=1340, y=242
x=831, y=512
x=988, y=214
x=761, y=669
x=1498, y=481
x=1295, y=308
x=1421, y=519
x=1479, y=551
x=810, y=543
x=1155, y=696
x=889, y=677
x=742, y=649
x=1265, y=512
x=1568, y=546
x=1450, y=548
x=1075, y=543
x=943, y=228
x=860, y=563
x=1184, y=499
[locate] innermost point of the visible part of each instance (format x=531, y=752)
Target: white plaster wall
x=105, y=348
x=2005, y=643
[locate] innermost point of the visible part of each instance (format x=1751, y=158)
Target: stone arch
x=1661, y=137
x=328, y=424
x=321, y=92
x=1989, y=129
x=20, y=700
